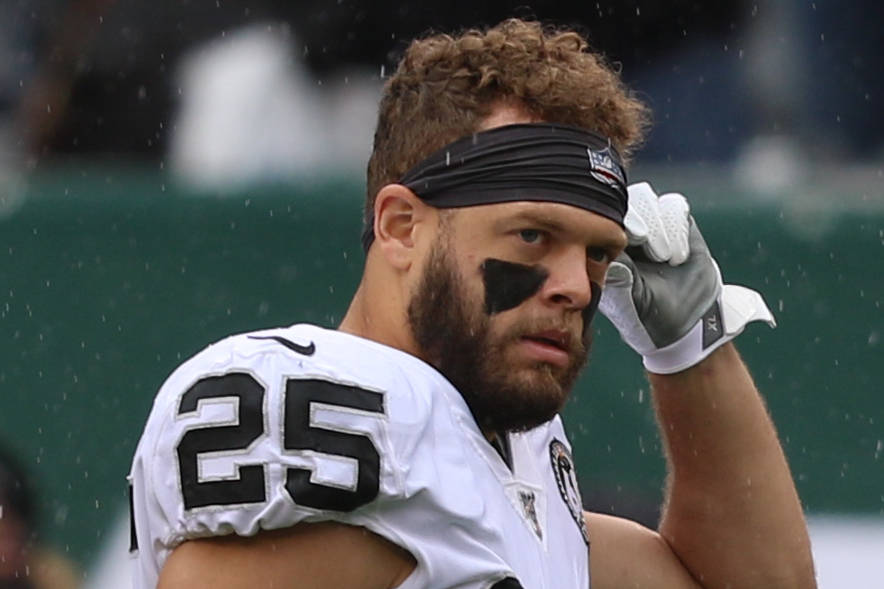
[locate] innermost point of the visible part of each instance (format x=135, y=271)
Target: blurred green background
x=109, y=279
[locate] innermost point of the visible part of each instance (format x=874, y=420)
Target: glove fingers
x=636, y=228
x=620, y=272
x=675, y=218
x=643, y=203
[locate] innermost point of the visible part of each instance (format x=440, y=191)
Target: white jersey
x=264, y=430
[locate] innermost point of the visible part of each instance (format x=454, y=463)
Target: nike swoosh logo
x=305, y=350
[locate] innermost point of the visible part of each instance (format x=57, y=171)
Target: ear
x=399, y=218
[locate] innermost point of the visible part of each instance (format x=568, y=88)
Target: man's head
x=498, y=297
x=503, y=304
x=446, y=87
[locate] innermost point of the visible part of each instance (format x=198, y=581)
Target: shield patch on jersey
x=528, y=501
x=566, y=479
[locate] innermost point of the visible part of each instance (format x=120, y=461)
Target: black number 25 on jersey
x=299, y=433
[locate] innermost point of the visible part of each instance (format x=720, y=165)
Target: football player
x=419, y=445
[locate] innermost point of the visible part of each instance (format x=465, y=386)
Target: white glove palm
x=665, y=294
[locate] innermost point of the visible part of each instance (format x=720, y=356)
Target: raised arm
x=732, y=514
x=308, y=556
x=732, y=517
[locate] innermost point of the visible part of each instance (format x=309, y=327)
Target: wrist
x=721, y=323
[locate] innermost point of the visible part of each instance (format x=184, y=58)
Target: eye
x=598, y=254
x=531, y=235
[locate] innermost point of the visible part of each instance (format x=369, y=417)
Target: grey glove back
x=671, y=299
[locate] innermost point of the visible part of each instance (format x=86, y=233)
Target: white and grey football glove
x=665, y=294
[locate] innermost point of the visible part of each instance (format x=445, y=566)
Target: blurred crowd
x=269, y=88
x=25, y=563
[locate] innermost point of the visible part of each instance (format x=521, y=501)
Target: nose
x=568, y=283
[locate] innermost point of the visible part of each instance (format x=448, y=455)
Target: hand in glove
x=665, y=294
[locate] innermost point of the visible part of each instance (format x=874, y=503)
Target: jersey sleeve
x=250, y=436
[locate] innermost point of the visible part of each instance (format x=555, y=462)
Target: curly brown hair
x=446, y=85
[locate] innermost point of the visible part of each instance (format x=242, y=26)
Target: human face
x=502, y=308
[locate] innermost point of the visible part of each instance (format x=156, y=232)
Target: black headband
x=525, y=162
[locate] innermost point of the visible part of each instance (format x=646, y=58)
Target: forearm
x=732, y=513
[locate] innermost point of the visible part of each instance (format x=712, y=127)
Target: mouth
x=551, y=337
x=551, y=346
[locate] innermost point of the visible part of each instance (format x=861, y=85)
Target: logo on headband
x=604, y=167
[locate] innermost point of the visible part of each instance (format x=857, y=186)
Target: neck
x=379, y=314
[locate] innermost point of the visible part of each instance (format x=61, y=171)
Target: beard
x=456, y=337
